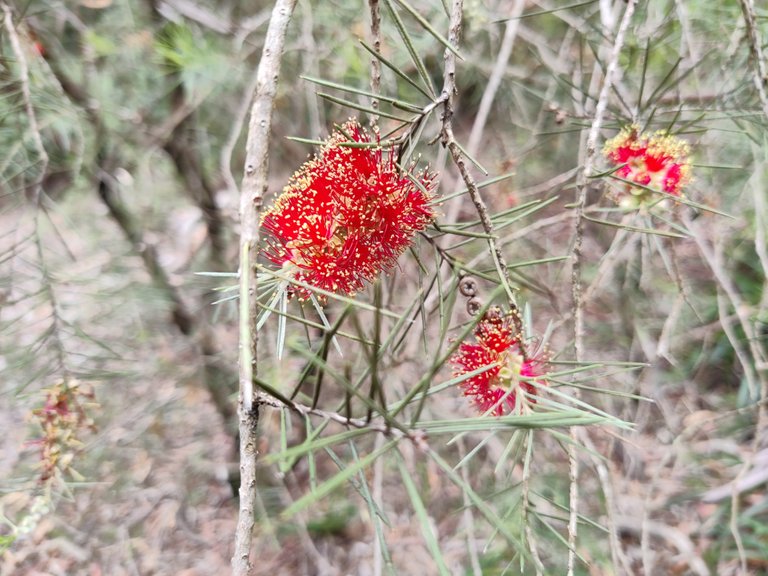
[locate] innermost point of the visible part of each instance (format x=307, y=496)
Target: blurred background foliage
x=140, y=109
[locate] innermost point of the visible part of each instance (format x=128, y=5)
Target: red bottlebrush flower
x=346, y=214
x=658, y=161
x=60, y=418
x=504, y=386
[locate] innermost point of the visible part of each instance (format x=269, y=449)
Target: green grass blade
x=537, y=262
x=218, y=274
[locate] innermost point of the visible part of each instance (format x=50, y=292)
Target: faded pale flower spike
x=61, y=418
x=506, y=387
x=346, y=215
x=658, y=161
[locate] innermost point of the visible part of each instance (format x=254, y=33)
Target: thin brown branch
x=130, y=226
x=197, y=13
x=449, y=141
x=418, y=437
x=497, y=74
x=255, y=182
x=606, y=483
x=189, y=167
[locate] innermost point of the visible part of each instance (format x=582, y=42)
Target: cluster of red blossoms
x=507, y=385
x=347, y=214
x=658, y=161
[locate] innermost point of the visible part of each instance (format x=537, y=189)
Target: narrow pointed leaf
x=336, y=481
x=429, y=28
x=415, y=58
x=424, y=520
x=397, y=70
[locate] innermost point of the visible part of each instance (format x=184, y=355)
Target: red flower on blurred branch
x=61, y=418
x=506, y=386
x=658, y=161
x=347, y=214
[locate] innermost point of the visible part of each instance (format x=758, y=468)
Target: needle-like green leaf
x=336, y=481
x=425, y=521
x=429, y=28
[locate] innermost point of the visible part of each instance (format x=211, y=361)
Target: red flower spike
x=505, y=387
x=658, y=161
x=346, y=215
x=60, y=418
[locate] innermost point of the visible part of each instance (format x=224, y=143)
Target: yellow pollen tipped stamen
x=509, y=375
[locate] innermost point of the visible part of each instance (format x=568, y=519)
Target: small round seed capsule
x=468, y=286
x=473, y=306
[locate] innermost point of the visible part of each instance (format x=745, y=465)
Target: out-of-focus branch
x=108, y=192
x=37, y=190
x=755, y=365
x=449, y=141
x=34, y=128
x=180, y=145
x=375, y=63
x=497, y=75
x=217, y=377
x=172, y=9
x=757, y=373
x=756, y=49
x=181, y=148
x=310, y=67
x=227, y=149
x=582, y=177
x=588, y=161
x=255, y=182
